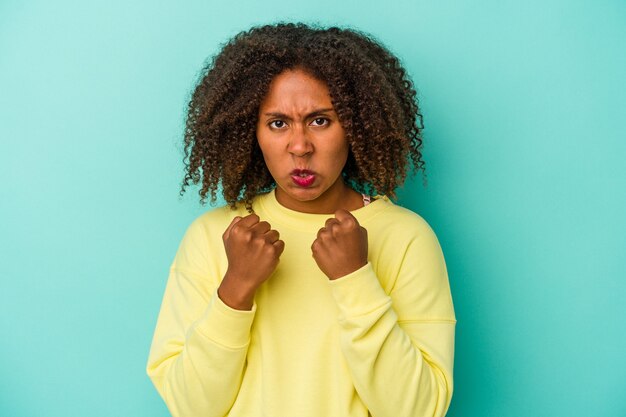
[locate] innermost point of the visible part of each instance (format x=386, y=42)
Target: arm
x=400, y=347
x=197, y=366
x=198, y=353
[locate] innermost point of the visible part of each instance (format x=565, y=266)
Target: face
x=303, y=143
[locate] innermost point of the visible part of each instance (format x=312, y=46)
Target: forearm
x=392, y=376
x=201, y=375
x=397, y=369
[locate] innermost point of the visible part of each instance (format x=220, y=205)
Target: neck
x=339, y=196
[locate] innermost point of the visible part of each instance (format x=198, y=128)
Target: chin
x=302, y=194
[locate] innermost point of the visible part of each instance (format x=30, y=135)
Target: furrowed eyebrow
x=313, y=113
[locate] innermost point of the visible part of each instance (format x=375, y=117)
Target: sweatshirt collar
x=266, y=205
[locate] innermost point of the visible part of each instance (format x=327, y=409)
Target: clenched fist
x=253, y=250
x=341, y=245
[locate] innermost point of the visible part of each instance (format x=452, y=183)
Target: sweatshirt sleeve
x=198, y=353
x=399, y=344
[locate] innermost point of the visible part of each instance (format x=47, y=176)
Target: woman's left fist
x=341, y=245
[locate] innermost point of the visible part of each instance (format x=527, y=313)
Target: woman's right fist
x=253, y=250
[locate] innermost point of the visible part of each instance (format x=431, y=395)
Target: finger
x=280, y=246
x=331, y=221
x=342, y=215
x=315, y=245
x=261, y=227
x=250, y=220
x=345, y=217
x=233, y=222
x=322, y=231
x=272, y=236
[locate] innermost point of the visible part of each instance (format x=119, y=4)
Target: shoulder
x=210, y=225
x=216, y=218
x=400, y=221
x=410, y=264
x=398, y=235
x=202, y=239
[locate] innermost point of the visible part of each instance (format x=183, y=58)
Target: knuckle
x=350, y=222
x=245, y=235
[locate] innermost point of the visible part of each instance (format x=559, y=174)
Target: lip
x=303, y=177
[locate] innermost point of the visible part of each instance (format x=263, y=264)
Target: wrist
x=332, y=276
x=234, y=293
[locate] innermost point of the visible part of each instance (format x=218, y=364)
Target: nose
x=300, y=143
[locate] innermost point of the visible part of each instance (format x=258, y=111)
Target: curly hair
x=370, y=91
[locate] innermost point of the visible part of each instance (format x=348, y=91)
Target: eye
x=278, y=124
x=320, y=121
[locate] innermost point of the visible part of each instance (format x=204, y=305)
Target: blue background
x=524, y=106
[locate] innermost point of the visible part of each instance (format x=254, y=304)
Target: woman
x=310, y=293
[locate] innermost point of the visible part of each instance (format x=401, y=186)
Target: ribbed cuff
x=226, y=325
x=359, y=292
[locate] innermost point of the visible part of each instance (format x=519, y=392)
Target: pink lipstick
x=303, y=177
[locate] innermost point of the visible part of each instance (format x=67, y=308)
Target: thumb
x=343, y=215
x=230, y=226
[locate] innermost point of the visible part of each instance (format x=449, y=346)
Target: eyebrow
x=313, y=113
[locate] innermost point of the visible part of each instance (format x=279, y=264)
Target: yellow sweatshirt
x=379, y=341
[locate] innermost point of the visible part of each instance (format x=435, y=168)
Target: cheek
x=272, y=161
x=264, y=147
x=338, y=145
x=343, y=153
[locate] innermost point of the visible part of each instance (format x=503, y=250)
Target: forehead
x=295, y=90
